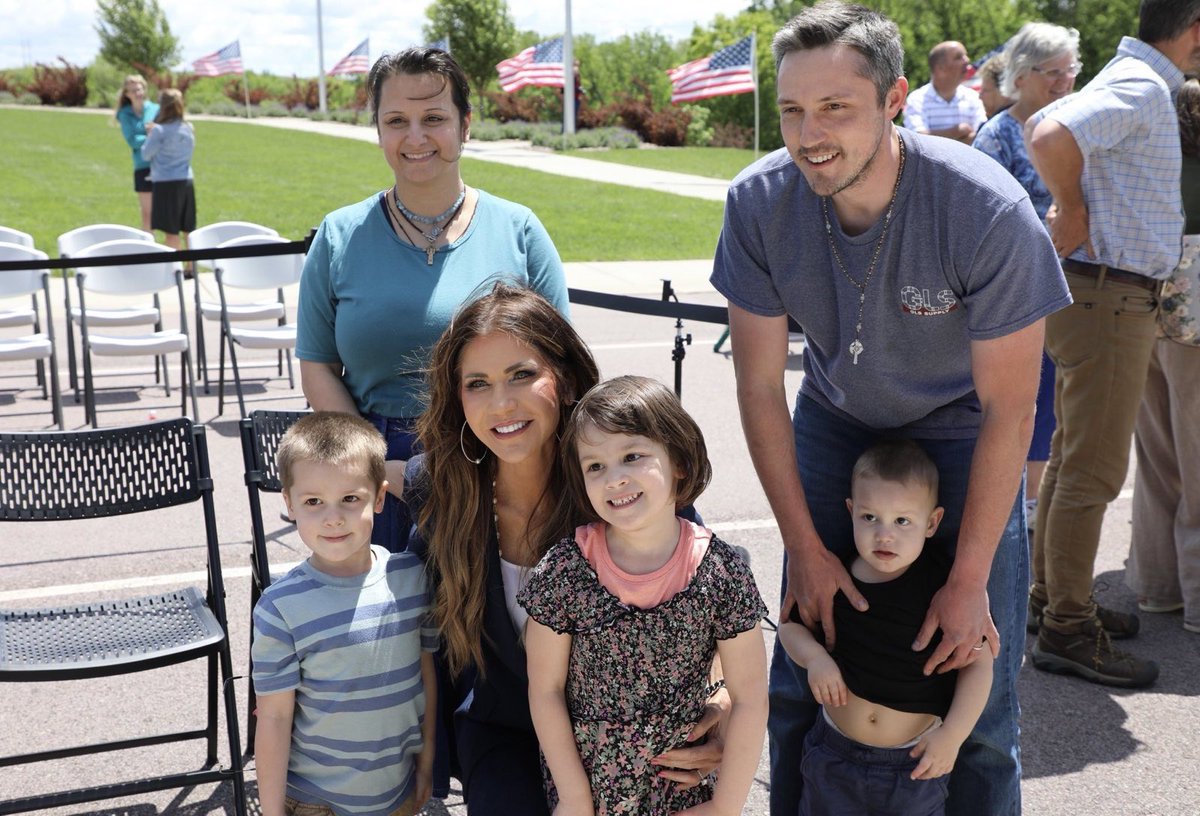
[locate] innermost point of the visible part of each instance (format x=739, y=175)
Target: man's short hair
x=332, y=438
x=897, y=460
x=1163, y=20
x=871, y=34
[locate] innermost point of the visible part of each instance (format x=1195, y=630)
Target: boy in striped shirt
x=343, y=644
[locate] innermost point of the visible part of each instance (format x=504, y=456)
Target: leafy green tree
x=626, y=64
x=481, y=34
x=135, y=31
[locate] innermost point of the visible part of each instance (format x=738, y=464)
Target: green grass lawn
x=64, y=169
x=710, y=162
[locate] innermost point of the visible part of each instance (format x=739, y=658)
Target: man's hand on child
x=825, y=680
x=961, y=612
x=938, y=749
x=813, y=582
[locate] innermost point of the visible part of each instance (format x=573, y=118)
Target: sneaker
x=1192, y=627
x=1154, y=605
x=1089, y=654
x=1118, y=625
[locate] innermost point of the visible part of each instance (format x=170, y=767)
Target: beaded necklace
x=431, y=236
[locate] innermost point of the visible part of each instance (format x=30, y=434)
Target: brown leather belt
x=1102, y=272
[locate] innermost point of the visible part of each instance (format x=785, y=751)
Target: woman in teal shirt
x=384, y=277
x=135, y=114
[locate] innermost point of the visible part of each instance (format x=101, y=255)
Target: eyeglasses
x=1055, y=74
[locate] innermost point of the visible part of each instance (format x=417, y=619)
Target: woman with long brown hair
x=488, y=496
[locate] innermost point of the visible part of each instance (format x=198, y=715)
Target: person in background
x=944, y=106
x=168, y=147
x=1109, y=155
x=1042, y=63
x=135, y=114
x=1164, y=552
x=384, y=276
x=991, y=74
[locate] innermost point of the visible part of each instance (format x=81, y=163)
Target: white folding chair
x=8, y=235
x=132, y=280
x=36, y=345
x=19, y=315
x=70, y=244
x=211, y=236
x=265, y=272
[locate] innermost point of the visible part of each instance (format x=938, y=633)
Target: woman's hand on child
x=687, y=766
x=825, y=680
x=938, y=749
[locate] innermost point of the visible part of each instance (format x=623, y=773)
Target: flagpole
x=320, y=61
x=246, y=92
x=754, y=73
x=568, y=78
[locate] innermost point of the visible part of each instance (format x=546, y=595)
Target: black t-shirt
x=874, y=648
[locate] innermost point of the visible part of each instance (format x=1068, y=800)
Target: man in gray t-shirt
x=922, y=277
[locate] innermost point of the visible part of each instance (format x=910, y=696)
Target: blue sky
x=281, y=35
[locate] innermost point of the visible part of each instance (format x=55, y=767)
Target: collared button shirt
x=927, y=110
x=1125, y=124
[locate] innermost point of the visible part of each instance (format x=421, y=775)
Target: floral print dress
x=638, y=679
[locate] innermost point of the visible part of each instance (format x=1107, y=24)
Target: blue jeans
x=987, y=776
x=394, y=522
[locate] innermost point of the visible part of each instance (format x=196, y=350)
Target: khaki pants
x=1101, y=346
x=293, y=808
x=1164, y=553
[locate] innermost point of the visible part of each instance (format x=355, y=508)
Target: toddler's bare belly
x=874, y=724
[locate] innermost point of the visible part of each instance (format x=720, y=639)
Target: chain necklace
x=431, y=236
x=856, y=347
x=428, y=220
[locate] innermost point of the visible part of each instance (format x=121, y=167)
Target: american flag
x=357, y=61
x=726, y=72
x=226, y=61
x=540, y=64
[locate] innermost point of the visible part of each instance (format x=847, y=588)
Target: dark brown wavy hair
x=456, y=517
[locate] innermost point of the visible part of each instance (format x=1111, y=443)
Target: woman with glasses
x=1042, y=63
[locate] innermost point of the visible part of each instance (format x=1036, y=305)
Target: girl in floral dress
x=626, y=617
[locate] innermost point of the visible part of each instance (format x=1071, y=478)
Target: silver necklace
x=856, y=346
x=431, y=236
x=430, y=220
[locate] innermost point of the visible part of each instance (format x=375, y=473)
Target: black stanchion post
x=681, y=339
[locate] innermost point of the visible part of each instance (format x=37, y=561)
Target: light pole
x=568, y=78
x=320, y=61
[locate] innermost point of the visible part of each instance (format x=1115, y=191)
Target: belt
x=1103, y=272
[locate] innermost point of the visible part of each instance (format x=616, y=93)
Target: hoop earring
x=463, y=446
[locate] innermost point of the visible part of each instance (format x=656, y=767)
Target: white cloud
x=280, y=36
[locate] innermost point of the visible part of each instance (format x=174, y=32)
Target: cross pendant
x=429, y=250
x=856, y=348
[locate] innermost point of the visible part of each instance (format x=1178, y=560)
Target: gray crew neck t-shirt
x=966, y=258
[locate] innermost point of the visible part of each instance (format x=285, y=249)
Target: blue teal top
x=133, y=128
x=369, y=301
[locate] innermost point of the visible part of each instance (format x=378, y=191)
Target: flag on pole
x=540, y=64
x=442, y=45
x=729, y=71
x=226, y=61
x=357, y=61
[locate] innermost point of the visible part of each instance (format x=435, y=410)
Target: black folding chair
x=64, y=476
x=261, y=432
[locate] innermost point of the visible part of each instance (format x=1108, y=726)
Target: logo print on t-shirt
x=916, y=301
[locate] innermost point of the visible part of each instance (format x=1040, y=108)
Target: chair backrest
x=71, y=243
x=8, y=235
x=49, y=476
x=263, y=272
x=130, y=278
x=261, y=433
x=16, y=282
x=211, y=236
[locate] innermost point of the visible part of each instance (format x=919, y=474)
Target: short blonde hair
x=332, y=438
x=897, y=460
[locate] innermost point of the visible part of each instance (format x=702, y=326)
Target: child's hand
x=938, y=750
x=825, y=680
x=424, y=787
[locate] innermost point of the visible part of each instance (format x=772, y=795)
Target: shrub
x=223, y=108
x=306, y=94
x=491, y=131
x=271, y=108
x=728, y=134
x=348, y=116
x=6, y=98
x=8, y=85
x=234, y=90
x=606, y=137
x=699, y=134
x=508, y=107
x=66, y=86
x=28, y=98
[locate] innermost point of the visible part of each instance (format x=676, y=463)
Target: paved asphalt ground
x=1086, y=749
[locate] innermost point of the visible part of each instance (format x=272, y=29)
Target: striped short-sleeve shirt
x=1125, y=124
x=350, y=648
x=926, y=110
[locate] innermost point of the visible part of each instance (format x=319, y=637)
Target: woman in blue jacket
x=133, y=114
